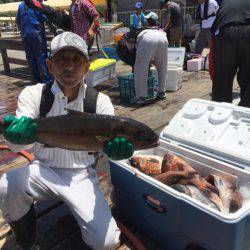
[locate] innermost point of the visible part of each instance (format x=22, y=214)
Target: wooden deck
x=56, y=227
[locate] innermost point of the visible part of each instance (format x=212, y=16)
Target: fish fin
x=75, y=112
x=210, y=179
x=207, y=189
x=102, y=138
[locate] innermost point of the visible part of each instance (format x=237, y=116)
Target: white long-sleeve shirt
x=29, y=105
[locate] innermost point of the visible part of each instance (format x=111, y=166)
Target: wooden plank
x=15, y=43
x=18, y=61
x=11, y=44
x=5, y=60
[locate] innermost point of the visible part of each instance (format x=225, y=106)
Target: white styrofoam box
x=174, y=80
x=107, y=34
x=175, y=68
x=201, y=134
x=176, y=56
x=194, y=64
x=205, y=62
x=100, y=75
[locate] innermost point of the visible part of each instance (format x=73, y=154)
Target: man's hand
x=118, y=149
x=91, y=34
x=20, y=131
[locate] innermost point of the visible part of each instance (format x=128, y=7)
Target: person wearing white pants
x=55, y=173
x=152, y=45
x=78, y=189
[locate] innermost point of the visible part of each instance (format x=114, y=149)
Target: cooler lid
x=219, y=130
x=176, y=56
x=100, y=63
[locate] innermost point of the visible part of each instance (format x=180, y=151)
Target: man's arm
x=104, y=105
x=167, y=24
x=28, y=106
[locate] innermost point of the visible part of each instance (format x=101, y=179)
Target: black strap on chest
x=47, y=100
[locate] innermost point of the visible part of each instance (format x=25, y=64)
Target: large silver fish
x=197, y=194
x=230, y=197
x=87, y=132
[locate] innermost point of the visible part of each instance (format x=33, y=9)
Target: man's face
x=68, y=66
x=138, y=11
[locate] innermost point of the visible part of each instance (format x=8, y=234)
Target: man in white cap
x=151, y=45
x=57, y=173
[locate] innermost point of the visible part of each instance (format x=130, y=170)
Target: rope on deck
x=23, y=153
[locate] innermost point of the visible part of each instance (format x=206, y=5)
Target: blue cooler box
x=214, y=138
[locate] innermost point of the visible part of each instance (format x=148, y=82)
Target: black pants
x=231, y=56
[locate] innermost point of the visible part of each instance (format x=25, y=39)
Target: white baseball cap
x=68, y=40
x=152, y=15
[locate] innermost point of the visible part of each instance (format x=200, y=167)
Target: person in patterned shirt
x=84, y=20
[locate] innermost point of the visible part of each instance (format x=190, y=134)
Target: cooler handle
x=154, y=204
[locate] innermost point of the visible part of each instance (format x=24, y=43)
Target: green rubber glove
x=20, y=131
x=118, y=149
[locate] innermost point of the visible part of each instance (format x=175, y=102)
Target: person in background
x=207, y=10
x=137, y=20
x=55, y=173
x=84, y=20
x=31, y=25
x=172, y=22
x=151, y=45
x=230, y=51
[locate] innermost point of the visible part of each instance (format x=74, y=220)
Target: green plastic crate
x=127, y=87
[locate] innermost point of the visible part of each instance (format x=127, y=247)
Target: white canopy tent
x=57, y=4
